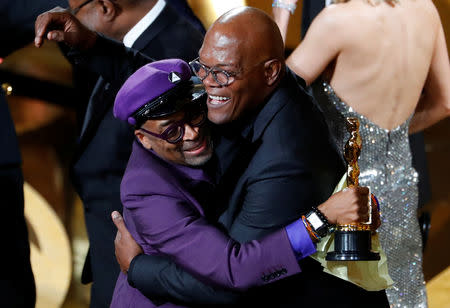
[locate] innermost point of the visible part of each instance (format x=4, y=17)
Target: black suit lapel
x=95, y=107
x=103, y=95
x=233, y=157
x=164, y=19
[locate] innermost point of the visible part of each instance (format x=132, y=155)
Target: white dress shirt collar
x=144, y=23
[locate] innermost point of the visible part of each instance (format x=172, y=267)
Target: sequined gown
x=385, y=165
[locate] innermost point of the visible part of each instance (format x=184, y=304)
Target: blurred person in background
x=17, y=287
x=395, y=83
x=282, y=11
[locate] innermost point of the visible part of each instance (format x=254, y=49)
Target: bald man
x=274, y=162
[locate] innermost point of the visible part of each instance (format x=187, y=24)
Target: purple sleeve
x=300, y=241
x=172, y=227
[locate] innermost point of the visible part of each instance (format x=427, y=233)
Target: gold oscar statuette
x=352, y=242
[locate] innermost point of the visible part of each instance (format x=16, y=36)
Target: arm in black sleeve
x=159, y=278
x=108, y=58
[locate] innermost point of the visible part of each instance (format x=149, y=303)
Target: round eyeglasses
x=221, y=76
x=175, y=132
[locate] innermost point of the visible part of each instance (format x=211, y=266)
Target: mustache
x=190, y=145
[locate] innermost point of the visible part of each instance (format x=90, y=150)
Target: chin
x=218, y=118
x=199, y=160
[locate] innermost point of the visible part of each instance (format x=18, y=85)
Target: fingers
x=50, y=20
x=57, y=36
x=376, y=219
x=361, y=190
x=355, y=205
x=118, y=237
x=118, y=221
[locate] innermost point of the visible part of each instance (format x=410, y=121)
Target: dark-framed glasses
x=175, y=132
x=221, y=76
x=75, y=10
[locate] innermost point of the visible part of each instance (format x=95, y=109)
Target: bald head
x=255, y=32
x=246, y=45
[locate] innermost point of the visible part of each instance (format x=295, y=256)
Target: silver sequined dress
x=385, y=165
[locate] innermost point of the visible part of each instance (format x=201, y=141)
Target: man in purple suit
x=164, y=182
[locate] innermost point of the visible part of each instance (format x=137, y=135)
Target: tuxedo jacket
x=105, y=146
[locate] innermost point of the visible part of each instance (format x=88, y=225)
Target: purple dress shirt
x=166, y=219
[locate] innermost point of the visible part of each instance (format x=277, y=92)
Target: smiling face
x=228, y=52
x=247, y=44
x=195, y=149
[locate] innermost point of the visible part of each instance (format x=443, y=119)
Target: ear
x=272, y=71
x=109, y=10
x=143, y=139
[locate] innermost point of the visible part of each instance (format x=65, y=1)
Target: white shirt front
x=328, y=2
x=144, y=23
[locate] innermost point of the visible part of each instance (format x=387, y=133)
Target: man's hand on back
x=60, y=25
x=126, y=247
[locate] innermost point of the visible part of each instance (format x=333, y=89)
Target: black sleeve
x=108, y=58
x=162, y=280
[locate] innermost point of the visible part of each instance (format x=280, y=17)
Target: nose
x=190, y=133
x=209, y=81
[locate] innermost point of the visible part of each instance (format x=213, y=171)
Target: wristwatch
x=318, y=222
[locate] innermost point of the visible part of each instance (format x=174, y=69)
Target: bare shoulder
x=334, y=15
x=430, y=8
x=336, y=21
x=428, y=13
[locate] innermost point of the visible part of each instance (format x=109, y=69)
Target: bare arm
x=434, y=105
x=281, y=17
x=318, y=48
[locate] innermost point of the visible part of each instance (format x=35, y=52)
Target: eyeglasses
x=221, y=76
x=75, y=11
x=175, y=132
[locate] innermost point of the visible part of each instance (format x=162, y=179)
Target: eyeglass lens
x=175, y=132
x=222, y=77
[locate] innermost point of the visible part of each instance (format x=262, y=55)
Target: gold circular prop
x=50, y=250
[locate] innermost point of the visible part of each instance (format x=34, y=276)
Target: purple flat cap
x=157, y=89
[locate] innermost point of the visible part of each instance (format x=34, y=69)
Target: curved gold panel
x=50, y=250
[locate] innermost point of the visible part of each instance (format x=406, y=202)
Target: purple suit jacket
x=166, y=219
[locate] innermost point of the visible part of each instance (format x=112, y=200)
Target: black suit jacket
x=105, y=146
x=273, y=167
x=182, y=7
x=269, y=167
